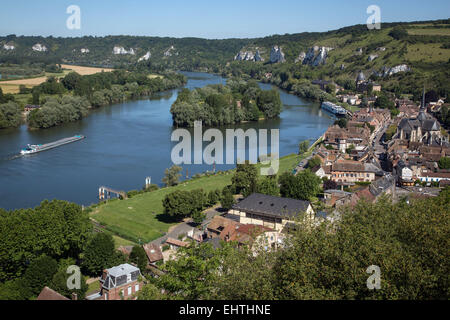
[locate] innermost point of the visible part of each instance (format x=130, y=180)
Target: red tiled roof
x=243, y=232
x=176, y=242
x=153, y=252
x=49, y=294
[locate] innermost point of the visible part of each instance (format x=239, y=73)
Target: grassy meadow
x=141, y=217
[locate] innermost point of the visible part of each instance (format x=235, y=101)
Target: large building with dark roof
x=423, y=129
x=269, y=211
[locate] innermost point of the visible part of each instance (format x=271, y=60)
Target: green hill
x=423, y=46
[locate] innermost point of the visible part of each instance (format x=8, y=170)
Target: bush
x=10, y=115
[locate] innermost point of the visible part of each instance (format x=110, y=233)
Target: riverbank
x=142, y=218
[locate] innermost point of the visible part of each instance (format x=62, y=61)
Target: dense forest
x=217, y=105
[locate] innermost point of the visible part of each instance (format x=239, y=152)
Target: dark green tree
x=304, y=186
x=245, y=179
x=269, y=186
x=40, y=274
x=139, y=257
x=227, y=199
x=100, y=254
x=444, y=163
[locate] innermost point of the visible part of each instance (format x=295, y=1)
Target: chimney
x=105, y=274
x=74, y=296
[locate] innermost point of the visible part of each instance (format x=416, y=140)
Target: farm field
x=141, y=218
x=12, y=86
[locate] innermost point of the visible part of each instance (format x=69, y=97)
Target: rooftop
x=50, y=294
x=122, y=270
x=273, y=206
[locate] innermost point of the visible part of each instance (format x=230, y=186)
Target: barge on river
x=31, y=149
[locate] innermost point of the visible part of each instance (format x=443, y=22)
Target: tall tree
x=245, y=179
x=172, y=176
x=100, y=254
x=304, y=186
x=139, y=257
x=303, y=147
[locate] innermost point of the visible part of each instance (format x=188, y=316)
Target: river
x=125, y=144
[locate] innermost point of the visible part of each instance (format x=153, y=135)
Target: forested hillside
x=423, y=47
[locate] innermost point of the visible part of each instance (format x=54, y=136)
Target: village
x=363, y=157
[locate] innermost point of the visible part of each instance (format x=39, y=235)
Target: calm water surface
x=125, y=143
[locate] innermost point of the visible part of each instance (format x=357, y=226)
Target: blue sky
x=205, y=19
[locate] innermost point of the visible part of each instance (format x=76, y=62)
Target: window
x=129, y=277
x=129, y=291
x=136, y=288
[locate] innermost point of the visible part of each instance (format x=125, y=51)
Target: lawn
x=141, y=218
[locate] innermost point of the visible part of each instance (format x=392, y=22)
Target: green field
x=429, y=32
x=432, y=52
x=141, y=218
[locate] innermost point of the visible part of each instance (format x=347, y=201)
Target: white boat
x=334, y=108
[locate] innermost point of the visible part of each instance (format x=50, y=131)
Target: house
x=119, y=283
x=384, y=185
x=48, y=294
x=196, y=235
x=336, y=198
x=405, y=174
x=175, y=244
x=322, y=171
x=430, y=177
x=341, y=138
x=243, y=234
x=153, y=252
x=217, y=225
x=346, y=172
x=352, y=100
x=269, y=211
